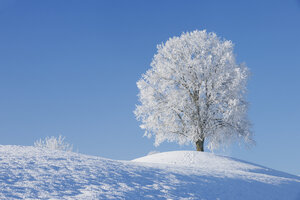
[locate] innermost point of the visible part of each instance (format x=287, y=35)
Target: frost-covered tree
x=194, y=91
x=54, y=143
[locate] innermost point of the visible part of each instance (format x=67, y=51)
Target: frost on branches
x=193, y=92
x=54, y=143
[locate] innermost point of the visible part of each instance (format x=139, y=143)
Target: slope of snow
x=33, y=173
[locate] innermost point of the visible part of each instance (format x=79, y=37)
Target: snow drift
x=36, y=173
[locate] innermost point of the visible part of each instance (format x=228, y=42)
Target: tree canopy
x=195, y=91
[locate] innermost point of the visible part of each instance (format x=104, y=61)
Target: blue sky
x=70, y=68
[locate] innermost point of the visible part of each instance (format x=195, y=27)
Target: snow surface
x=36, y=173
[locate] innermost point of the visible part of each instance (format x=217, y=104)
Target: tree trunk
x=200, y=145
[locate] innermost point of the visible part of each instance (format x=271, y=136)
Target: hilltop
x=35, y=173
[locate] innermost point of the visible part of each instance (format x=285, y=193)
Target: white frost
x=194, y=91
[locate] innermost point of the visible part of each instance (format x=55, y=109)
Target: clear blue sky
x=70, y=68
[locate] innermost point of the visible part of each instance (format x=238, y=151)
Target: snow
x=38, y=173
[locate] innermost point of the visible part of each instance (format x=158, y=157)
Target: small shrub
x=152, y=152
x=54, y=143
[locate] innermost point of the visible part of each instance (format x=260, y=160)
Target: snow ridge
x=36, y=173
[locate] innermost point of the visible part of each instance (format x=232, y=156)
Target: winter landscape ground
x=37, y=173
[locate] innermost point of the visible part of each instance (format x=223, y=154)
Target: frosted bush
x=54, y=143
x=152, y=152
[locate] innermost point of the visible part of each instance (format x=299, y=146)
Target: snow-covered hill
x=33, y=173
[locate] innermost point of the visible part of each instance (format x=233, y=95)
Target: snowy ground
x=33, y=173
